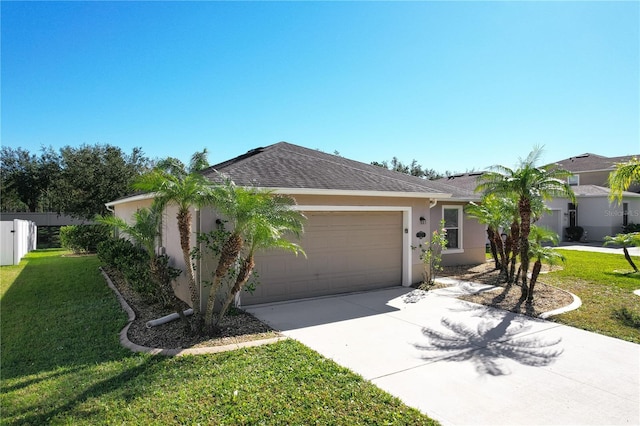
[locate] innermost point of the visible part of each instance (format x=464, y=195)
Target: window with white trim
x=452, y=216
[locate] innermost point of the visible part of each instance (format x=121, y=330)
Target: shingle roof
x=591, y=162
x=284, y=165
x=465, y=181
x=597, y=191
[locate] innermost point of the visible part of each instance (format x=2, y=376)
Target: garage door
x=346, y=251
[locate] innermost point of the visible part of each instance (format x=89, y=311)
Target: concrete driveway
x=463, y=363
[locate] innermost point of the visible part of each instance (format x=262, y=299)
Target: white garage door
x=346, y=251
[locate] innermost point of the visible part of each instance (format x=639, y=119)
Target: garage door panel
x=348, y=251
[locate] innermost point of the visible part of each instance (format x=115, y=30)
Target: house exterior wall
x=474, y=237
x=599, y=178
x=473, y=234
x=596, y=215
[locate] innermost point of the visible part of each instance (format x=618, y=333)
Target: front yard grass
x=609, y=306
x=62, y=364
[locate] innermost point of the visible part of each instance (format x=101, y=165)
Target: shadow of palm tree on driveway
x=489, y=344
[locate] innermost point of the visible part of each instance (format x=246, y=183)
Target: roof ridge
x=397, y=176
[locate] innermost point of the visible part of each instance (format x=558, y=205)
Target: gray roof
x=597, y=191
x=592, y=162
x=284, y=165
x=464, y=181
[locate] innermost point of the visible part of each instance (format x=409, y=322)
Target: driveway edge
x=134, y=347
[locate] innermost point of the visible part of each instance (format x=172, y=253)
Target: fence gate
x=17, y=238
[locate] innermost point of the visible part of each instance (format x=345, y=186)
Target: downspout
x=197, y=273
x=432, y=203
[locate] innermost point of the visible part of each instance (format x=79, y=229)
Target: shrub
x=631, y=228
x=83, y=238
x=574, y=233
x=132, y=262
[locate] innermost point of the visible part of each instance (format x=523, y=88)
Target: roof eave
x=359, y=193
x=139, y=197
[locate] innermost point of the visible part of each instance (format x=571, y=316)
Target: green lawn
x=62, y=364
x=608, y=304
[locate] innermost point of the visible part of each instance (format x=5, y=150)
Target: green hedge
x=83, y=238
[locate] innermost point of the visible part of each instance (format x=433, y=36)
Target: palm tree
x=145, y=228
x=625, y=240
x=622, y=177
x=173, y=183
x=541, y=254
x=259, y=220
x=529, y=184
x=490, y=212
x=273, y=219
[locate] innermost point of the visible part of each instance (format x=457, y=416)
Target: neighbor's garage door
x=346, y=251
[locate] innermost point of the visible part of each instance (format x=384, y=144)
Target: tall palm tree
x=529, y=184
x=259, y=220
x=625, y=240
x=186, y=187
x=622, y=177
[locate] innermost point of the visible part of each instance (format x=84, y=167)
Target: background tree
x=530, y=185
x=94, y=175
x=27, y=180
x=186, y=187
x=413, y=168
x=622, y=177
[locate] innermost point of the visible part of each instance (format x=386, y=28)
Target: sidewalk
x=597, y=247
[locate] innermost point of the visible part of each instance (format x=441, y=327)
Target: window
x=574, y=180
x=452, y=216
x=625, y=214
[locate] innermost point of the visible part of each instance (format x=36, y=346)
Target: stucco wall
x=474, y=235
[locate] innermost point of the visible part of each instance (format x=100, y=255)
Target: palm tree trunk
x=243, y=276
x=515, y=237
x=491, y=235
x=537, y=266
x=228, y=255
x=628, y=257
x=524, y=206
x=184, y=227
x=500, y=246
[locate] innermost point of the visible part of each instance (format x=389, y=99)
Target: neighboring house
x=362, y=225
x=592, y=211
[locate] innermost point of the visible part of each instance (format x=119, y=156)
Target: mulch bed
x=545, y=297
x=240, y=326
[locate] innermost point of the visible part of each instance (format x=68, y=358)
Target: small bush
x=574, y=233
x=83, y=238
x=132, y=262
x=631, y=228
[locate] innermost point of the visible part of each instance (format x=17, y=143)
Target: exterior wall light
x=422, y=220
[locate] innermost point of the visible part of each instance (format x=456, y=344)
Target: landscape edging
x=134, y=347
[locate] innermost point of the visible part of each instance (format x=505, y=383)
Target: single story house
x=363, y=222
x=593, y=211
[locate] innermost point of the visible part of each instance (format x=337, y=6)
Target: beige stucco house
x=593, y=211
x=362, y=224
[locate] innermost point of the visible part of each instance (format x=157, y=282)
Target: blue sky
x=455, y=85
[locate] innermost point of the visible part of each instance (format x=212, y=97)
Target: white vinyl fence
x=17, y=238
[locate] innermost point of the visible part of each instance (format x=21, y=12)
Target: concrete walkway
x=467, y=364
x=597, y=247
